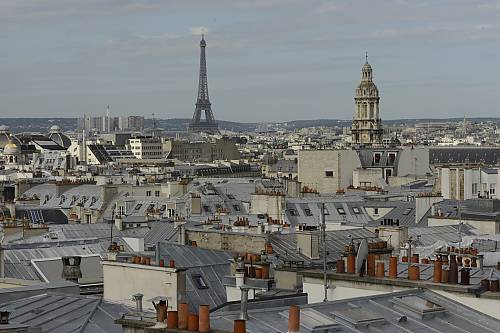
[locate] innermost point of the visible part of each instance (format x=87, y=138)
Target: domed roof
x=55, y=129
x=6, y=137
x=366, y=67
x=56, y=135
x=11, y=149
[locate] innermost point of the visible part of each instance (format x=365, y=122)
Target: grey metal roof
x=461, y=155
x=18, y=262
x=425, y=236
x=339, y=209
x=65, y=313
x=381, y=313
x=402, y=211
x=160, y=232
x=285, y=245
x=211, y=265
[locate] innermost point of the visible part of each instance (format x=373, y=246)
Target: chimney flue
x=138, y=302
x=294, y=319
x=240, y=326
x=244, y=304
x=204, y=318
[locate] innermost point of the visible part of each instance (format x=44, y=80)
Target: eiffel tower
x=197, y=124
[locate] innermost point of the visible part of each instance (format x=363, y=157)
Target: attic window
x=356, y=210
x=162, y=208
x=230, y=196
x=341, y=211
x=308, y=212
x=407, y=211
x=199, y=281
x=237, y=208
x=293, y=212
x=326, y=211
x=138, y=206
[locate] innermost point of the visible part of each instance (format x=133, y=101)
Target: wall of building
x=414, y=161
x=327, y=170
x=484, y=227
x=227, y=241
x=122, y=280
x=271, y=204
x=339, y=290
x=366, y=177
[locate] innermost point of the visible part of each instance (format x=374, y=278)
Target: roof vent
x=358, y=317
x=416, y=305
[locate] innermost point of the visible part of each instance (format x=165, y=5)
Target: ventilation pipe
x=138, y=302
x=244, y=304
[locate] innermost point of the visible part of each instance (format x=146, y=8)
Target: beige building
x=327, y=171
x=146, y=147
x=123, y=279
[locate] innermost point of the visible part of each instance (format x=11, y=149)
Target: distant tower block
x=197, y=124
x=367, y=125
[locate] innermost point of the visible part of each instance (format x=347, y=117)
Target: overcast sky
x=268, y=60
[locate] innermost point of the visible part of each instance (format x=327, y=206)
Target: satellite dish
x=362, y=254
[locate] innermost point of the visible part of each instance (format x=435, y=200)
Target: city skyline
x=141, y=57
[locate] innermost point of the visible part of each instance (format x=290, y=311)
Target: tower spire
x=203, y=104
x=366, y=56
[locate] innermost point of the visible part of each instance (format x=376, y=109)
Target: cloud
x=326, y=8
x=198, y=30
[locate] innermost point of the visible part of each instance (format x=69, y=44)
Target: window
x=199, y=281
x=293, y=212
x=356, y=210
x=308, y=212
x=407, y=211
x=326, y=211
x=474, y=188
x=492, y=188
x=138, y=206
x=157, y=193
x=148, y=193
x=328, y=173
x=121, y=210
x=162, y=208
x=88, y=218
x=376, y=158
x=375, y=211
x=341, y=211
x=236, y=208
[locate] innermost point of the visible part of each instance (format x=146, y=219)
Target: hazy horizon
x=268, y=60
